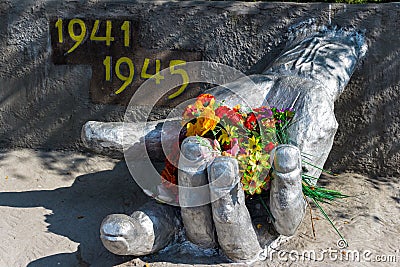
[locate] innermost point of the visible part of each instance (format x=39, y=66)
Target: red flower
x=226, y=147
x=268, y=148
x=221, y=111
x=250, y=122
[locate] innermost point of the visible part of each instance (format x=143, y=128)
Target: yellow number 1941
x=77, y=31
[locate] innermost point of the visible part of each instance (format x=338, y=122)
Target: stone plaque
x=119, y=64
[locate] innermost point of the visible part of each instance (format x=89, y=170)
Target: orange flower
x=206, y=99
x=236, y=108
x=208, y=120
x=207, y=124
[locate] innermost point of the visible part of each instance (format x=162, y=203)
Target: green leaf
x=327, y=217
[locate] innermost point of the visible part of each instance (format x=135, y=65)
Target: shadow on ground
x=77, y=212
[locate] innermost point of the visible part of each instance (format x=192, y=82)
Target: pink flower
x=189, y=112
x=235, y=147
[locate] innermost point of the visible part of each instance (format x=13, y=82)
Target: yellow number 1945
x=127, y=79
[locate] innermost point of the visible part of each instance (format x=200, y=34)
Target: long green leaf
x=329, y=220
x=319, y=168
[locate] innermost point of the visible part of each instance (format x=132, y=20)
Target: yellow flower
x=252, y=185
x=254, y=145
x=255, y=162
x=212, y=102
x=227, y=133
x=209, y=112
x=224, y=137
x=191, y=129
x=199, y=105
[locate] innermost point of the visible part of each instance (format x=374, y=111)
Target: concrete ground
x=52, y=204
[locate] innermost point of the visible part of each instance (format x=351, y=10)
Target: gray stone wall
x=43, y=105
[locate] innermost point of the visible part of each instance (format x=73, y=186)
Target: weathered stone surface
x=196, y=218
x=104, y=137
x=287, y=203
x=147, y=230
x=235, y=231
x=154, y=226
x=111, y=138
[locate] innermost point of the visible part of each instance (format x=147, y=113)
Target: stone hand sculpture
x=309, y=76
x=226, y=221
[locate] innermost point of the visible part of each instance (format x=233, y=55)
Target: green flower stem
x=319, y=168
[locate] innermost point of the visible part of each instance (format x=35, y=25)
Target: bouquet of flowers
x=249, y=135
